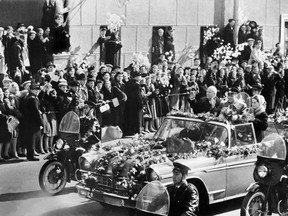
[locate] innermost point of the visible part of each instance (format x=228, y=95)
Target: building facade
x=186, y=17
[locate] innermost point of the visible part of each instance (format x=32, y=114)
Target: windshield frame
x=216, y=123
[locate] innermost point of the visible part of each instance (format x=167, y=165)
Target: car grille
x=108, y=181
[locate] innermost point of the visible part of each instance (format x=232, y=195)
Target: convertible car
x=221, y=157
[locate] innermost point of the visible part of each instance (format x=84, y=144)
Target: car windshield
x=196, y=131
x=273, y=146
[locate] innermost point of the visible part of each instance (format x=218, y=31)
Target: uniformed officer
x=89, y=126
x=184, y=199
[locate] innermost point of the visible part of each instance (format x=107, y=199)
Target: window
x=243, y=134
x=284, y=33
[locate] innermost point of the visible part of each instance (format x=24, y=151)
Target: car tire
x=247, y=203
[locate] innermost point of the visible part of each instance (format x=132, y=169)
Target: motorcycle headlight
x=262, y=171
x=84, y=163
x=59, y=144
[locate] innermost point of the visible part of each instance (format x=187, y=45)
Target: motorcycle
x=63, y=159
x=269, y=193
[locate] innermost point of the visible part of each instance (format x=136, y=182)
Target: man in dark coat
x=184, y=199
x=134, y=105
x=269, y=80
x=210, y=103
x=17, y=59
x=157, y=46
x=245, y=55
x=228, y=33
x=169, y=42
x=8, y=41
x=35, y=48
x=89, y=125
x=32, y=122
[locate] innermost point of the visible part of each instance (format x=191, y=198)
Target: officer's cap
x=179, y=167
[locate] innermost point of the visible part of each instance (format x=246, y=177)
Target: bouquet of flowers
x=238, y=49
x=114, y=22
x=209, y=33
x=169, y=56
x=223, y=53
x=140, y=59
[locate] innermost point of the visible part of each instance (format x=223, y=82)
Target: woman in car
x=259, y=117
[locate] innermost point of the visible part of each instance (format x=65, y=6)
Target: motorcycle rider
x=183, y=198
x=67, y=100
x=90, y=130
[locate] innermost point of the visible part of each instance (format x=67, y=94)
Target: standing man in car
x=183, y=196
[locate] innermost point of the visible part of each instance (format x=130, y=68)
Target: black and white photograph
x=143, y=107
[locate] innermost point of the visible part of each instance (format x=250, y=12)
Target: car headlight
x=84, y=163
x=59, y=144
x=262, y=171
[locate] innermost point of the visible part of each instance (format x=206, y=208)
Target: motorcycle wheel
x=252, y=204
x=53, y=177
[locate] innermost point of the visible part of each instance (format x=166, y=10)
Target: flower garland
x=214, y=149
x=114, y=22
x=280, y=117
x=226, y=53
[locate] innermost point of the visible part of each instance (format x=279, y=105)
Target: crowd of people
x=34, y=92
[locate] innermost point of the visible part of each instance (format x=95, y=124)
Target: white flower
x=133, y=170
x=222, y=144
x=114, y=21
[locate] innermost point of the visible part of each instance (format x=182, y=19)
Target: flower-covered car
x=221, y=157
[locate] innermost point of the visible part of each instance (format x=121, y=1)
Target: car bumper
x=104, y=197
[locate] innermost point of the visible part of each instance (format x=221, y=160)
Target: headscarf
x=261, y=108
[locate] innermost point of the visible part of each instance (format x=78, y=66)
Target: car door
x=240, y=166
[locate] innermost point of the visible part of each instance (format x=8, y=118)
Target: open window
x=158, y=35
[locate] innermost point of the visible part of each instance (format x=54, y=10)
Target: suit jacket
x=203, y=105
x=228, y=35
x=133, y=92
x=245, y=55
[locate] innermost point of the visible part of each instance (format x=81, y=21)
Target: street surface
x=20, y=195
